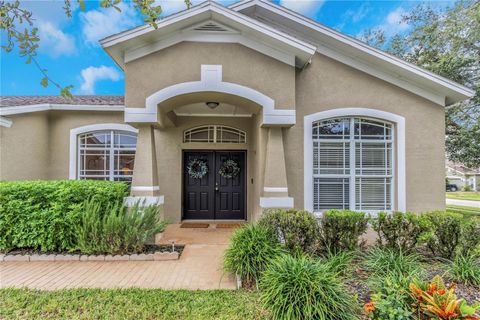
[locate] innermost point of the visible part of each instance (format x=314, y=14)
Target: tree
x=18, y=25
x=447, y=42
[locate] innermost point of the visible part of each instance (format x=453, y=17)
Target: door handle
x=216, y=186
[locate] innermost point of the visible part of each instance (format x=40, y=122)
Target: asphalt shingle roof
x=12, y=101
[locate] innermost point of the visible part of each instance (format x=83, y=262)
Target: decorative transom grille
x=352, y=164
x=214, y=134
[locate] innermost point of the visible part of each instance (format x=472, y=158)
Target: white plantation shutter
x=352, y=164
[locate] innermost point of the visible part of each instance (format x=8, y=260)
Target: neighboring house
x=310, y=118
x=462, y=176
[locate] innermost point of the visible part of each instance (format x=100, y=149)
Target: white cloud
x=98, y=24
x=393, y=22
x=172, y=6
x=306, y=7
x=92, y=74
x=54, y=41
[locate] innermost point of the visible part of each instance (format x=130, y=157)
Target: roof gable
x=356, y=53
x=208, y=22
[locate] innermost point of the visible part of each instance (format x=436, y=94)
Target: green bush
x=303, y=288
x=117, y=230
x=396, y=266
x=251, y=249
x=341, y=229
x=464, y=269
x=297, y=229
x=398, y=230
x=450, y=234
x=392, y=303
x=43, y=214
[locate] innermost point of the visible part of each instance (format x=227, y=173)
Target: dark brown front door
x=214, y=196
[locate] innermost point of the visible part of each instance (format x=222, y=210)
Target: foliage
x=339, y=263
x=118, y=229
x=446, y=42
x=304, y=288
x=398, y=230
x=464, y=269
x=44, y=214
x=449, y=234
x=251, y=249
x=297, y=229
x=14, y=17
x=435, y=301
x=341, y=229
x=130, y=304
x=392, y=303
x=399, y=267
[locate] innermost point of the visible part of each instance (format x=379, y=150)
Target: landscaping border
x=157, y=256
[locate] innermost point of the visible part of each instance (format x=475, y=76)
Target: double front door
x=214, y=185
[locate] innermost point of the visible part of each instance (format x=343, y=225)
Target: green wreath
x=229, y=169
x=197, y=169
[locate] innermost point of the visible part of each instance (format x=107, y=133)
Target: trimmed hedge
x=43, y=214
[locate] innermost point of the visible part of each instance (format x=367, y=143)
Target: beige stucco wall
x=182, y=63
x=24, y=147
x=327, y=84
x=37, y=145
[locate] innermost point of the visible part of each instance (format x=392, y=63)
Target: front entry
x=214, y=185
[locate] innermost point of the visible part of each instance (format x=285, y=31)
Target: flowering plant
x=392, y=303
x=435, y=301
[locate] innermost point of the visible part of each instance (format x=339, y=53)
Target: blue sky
x=69, y=48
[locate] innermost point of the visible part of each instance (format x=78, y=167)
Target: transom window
x=106, y=155
x=352, y=164
x=214, y=134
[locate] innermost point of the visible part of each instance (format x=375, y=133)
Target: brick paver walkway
x=199, y=267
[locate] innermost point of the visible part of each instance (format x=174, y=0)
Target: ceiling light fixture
x=212, y=105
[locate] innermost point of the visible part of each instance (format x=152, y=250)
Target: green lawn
x=467, y=211
x=129, y=304
x=475, y=196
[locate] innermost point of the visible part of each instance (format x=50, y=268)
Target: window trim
x=75, y=132
x=398, y=164
x=214, y=127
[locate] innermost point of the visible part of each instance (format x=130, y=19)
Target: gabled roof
x=356, y=53
x=284, y=35
x=208, y=22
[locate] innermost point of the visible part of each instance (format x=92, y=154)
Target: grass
x=466, y=211
x=129, y=304
x=474, y=196
x=464, y=269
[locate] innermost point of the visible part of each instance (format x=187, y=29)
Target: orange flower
x=369, y=307
x=432, y=289
x=441, y=292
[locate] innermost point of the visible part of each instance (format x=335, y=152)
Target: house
x=462, y=176
x=231, y=110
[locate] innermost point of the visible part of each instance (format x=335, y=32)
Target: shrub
x=450, y=234
x=398, y=230
x=297, y=229
x=435, y=301
x=43, y=214
x=392, y=303
x=118, y=230
x=339, y=263
x=464, y=269
x=398, y=267
x=251, y=249
x=303, y=288
x=341, y=229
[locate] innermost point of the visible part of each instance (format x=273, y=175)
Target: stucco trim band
x=274, y=202
x=143, y=201
x=93, y=127
x=211, y=81
x=145, y=188
x=4, y=122
x=399, y=122
x=6, y=111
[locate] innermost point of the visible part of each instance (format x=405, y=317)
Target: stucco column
x=145, y=175
x=275, y=189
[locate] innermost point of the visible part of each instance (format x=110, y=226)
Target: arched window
x=352, y=164
x=214, y=134
x=106, y=155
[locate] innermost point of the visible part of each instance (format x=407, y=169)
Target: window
x=352, y=164
x=106, y=155
x=214, y=134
